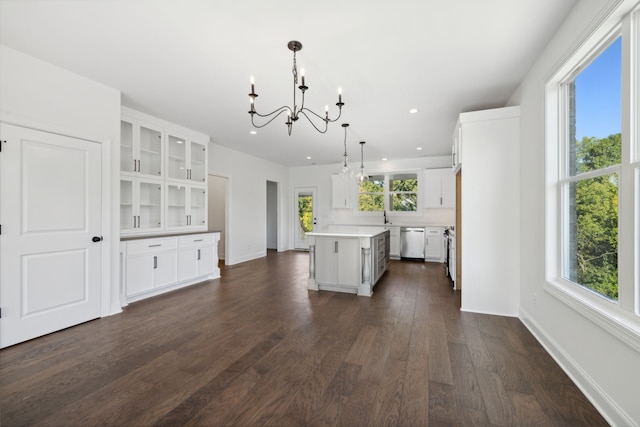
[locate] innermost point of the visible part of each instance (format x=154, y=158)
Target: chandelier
x=294, y=113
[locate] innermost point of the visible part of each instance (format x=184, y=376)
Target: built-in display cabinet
x=163, y=173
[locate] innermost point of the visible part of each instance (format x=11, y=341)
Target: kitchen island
x=348, y=260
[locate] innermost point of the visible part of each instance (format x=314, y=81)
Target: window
x=593, y=176
x=371, y=194
x=590, y=181
x=396, y=192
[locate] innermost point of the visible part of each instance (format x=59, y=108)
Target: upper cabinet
x=456, y=149
x=163, y=173
x=187, y=160
x=440, y=188
x=340, y=191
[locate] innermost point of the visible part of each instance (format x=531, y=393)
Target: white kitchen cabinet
x=153, y=154
x=141, y=149
x=186, y=160
x=440, y=188
x=456, y=149
x=197, y=255
x=158, y=265
x=141, y=202
x=338, y=261
x=151, y=264
x=433, y=248
x=340, y=191
x=186, y=207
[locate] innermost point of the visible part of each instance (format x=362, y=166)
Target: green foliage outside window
x=305, y=213
x=404, y=193
x=371, y=195
x=596, y=216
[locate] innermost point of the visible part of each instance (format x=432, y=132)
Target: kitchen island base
x=350, y=262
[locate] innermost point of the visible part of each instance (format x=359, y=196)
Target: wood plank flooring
x=256, y=348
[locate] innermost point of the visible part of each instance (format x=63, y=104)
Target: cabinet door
x=177, y=157
x=433, y=191
x=433, y=245
x=197, y=207
x=340, y=192
x=150, y=206
x=197, y=162
x=188, y=258
x=139, y=274
x=348, y=260
x=326, y=263
x=206, y=260
x=176, y=206
x=448, y=190
x=150, y=151
x=127, y=159
x=166, y=268
x=128, y=216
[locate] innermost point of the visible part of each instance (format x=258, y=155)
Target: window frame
x=620, y=317
x=387, y=194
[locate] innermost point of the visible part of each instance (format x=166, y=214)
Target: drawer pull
x=155, y=246
x=198, y=240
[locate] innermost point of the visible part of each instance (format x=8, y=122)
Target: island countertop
x=348, y=232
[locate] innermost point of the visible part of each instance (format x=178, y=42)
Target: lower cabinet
x=434, y=244
x=157, y=265
x=338, y=261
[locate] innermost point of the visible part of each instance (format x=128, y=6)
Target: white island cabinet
x=153, y=266
x=348, y=261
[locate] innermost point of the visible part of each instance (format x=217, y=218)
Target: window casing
x=392, y=192
x=579, y=188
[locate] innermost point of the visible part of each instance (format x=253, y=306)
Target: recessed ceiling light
x=419, y=148
x=308, y=157
x=253, y=132
x=384, y=159
x=413, y=111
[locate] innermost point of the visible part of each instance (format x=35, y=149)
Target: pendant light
x=344, y=168
x=362, y=177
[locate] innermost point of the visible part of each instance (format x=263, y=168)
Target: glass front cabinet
x=162, y=177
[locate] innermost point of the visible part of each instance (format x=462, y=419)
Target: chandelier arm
x=282, y=110
x=324, y=119
x=328, y=120
x=313, y=124
x=278, y=111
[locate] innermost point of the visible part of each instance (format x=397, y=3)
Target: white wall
x=39, y=95
x=247, y=198
x=603, y=366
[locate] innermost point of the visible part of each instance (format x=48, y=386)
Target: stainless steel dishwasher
x=412, y=242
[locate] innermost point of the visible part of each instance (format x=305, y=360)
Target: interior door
x=50, y=245
x=305, y=215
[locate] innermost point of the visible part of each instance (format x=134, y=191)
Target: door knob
x=96, y=239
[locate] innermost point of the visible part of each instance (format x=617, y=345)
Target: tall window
x=590, y=184
x=592, y=246
x=392, y=193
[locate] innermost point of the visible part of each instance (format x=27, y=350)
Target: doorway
x=272, y=215
x=305, y=217
x=217, y=209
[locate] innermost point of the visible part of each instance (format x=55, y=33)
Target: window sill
x=608, y=315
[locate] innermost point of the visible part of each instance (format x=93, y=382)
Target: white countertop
x=350, y=231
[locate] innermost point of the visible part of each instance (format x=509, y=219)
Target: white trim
x=604, y=403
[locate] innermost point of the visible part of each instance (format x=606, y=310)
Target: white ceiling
x=189, y=62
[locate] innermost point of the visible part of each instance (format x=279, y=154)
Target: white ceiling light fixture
x=362, y=177
x=294, y=112
x=413, y=111
x=345, y=169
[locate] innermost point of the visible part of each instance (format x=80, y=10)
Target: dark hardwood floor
x=257, y=348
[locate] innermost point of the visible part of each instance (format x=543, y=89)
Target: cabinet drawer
x=195, y=240
x=151, y=245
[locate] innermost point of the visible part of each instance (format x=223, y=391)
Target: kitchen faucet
x=386, y=221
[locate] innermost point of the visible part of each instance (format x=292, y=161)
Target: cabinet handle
x=155, y=262
x=135, y=165
x=138, y=221
x=198, y=254
x=440, y=201
x=155, y=246
x=198, y=240
x=335, y=246
x=138, y=165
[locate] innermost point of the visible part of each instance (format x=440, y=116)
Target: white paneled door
x=50, y=241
